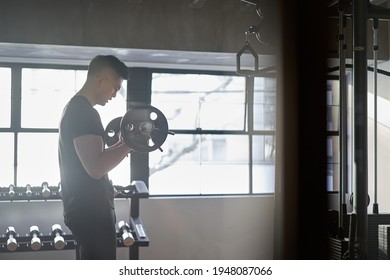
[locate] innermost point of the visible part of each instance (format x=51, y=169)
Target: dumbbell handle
x=126, y=230
x=34, y=234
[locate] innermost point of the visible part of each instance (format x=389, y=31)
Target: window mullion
x=16, y=97
x=249, y=88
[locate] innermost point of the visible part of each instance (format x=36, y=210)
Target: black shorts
x=94, y=232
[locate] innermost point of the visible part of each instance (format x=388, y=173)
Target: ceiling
x=57, y=50
x=76, y=55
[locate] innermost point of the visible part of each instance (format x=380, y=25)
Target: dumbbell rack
x=135, y=191
x=47, y=242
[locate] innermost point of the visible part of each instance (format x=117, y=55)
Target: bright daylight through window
x=214, y=151
x=212, y=156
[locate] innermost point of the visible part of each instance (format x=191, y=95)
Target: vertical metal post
x=375, y=206
x=360, y=99
x=138, y=91
x=343, y=123
x=249, y=87
x=16, y=104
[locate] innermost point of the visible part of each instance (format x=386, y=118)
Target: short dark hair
x=100, y=62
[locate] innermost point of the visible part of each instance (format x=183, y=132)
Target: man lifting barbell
x=87, y=194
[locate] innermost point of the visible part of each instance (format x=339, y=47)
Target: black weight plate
x=111, y=133
x=144, y=128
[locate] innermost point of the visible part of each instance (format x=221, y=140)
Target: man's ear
x=99, y=80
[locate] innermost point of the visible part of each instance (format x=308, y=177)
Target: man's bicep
x=88, y=148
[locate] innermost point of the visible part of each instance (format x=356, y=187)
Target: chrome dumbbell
x=60, y=189
x=28, y=190
x=12, y=244
x=11, y=191
x=127, y=236
x=59, y=242
x=45, y=190
x=36, y=243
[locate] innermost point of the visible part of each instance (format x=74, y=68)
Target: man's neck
x=88, y=94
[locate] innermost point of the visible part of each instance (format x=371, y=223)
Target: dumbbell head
x=35, y=240
x=59, y=242
x=28, y=190
x=12, y=244
x=56, y=228
x=45, y=190
x=127, y=237
x=11, y=191
x=60, y=189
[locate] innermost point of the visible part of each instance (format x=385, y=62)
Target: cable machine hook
x=245, y=49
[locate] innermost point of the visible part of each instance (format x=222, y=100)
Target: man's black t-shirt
x=80, y=192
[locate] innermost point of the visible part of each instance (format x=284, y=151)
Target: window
x=333, y=139
x=200, y=164
x=7, y=159
x=44, y=93
x=6, y=138
x=5, y=97
x=210, y=152
x=37, y=159
x=224, y=144
x=264, y=126
x=193, y=101
x=263, y=163
x=333, y=163
x=264, y=108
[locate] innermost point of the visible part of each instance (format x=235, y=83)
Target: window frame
x=248, y=130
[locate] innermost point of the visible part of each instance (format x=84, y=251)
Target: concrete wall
x=178, y=228
x=216, y=26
